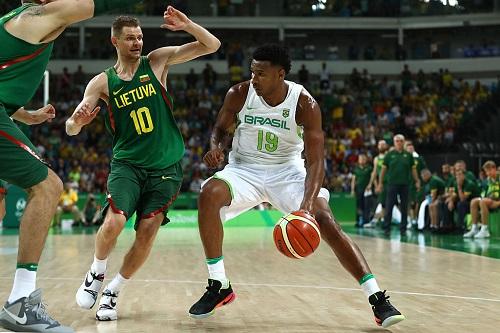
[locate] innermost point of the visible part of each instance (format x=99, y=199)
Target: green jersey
x=140, y=119
x=450, y=183
x=399, y=167
x=420, y=164
x=380, y=164
x=493, y=190
x=362, y=177
x=22, y=66
x=435, y=184
x=469, y=188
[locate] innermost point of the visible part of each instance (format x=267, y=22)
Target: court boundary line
x=274, y=285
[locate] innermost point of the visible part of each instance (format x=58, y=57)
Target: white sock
x=216, y=271
x=474, y=227
x=99, y=266
x=117, y=283
x=484, y=227
x=370, y=285
x=24, y=284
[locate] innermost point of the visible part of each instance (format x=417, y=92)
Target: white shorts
x=250, y=185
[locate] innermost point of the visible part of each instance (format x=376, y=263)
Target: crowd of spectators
x=426, y=107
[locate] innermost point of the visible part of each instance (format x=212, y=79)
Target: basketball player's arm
x=45, y=22
x=373, y=176
x=47, y=113
x=309, y=117
x=226, y=120
x=205, y=43
x=87, y=110
x=353, y=184
x=415, y=177
x=381, y=176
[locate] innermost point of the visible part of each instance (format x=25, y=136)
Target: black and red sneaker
x=385, y=313
x=214, y=297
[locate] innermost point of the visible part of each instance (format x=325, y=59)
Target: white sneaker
x=86, y=296
x=472, y=232
x=483, y=233
x=107, y=306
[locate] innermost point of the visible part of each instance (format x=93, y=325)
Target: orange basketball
x=297, y=235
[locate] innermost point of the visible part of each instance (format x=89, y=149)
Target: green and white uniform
x=22, y=66
x=146, y=174
x=265, y=164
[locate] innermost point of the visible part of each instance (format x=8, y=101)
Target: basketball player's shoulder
x=306, y=101
x=100, y=81
x=239, y=89
x=236, y=95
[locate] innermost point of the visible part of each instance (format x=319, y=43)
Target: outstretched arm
x=47, y=113
x=45, y=22
x=87, y=110
x=309, y=117
x=175, y=20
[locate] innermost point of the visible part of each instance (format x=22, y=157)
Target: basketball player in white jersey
x=275, y=120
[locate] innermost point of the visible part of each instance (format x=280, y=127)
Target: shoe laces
x=98, y=277
x=382, y=300
x=40, y=311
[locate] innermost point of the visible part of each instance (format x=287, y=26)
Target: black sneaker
x=213, y=298
x=385, y=313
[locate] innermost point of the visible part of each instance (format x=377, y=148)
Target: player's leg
x=433, y=215
x=123, y=195
x=485, y=205
x=157, y=195
x=22, y=167
x=226, y=195
x=390, y=200
x=291, y=181
x=352, y=259
x=474, y=213
x=403, y=191
x=133, y=260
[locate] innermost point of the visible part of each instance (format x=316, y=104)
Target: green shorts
x=146, y=192
x=21, y=164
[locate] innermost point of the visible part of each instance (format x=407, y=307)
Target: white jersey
x=268, y=134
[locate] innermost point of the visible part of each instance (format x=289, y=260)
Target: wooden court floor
x=438, y=290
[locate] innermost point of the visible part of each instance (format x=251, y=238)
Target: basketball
x=297, y=235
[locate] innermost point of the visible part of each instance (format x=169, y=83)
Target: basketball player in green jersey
x=27, y=34
x=146, y=174
x=378, y=162
x=276, y=120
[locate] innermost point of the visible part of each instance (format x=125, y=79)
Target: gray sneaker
x=28, y=314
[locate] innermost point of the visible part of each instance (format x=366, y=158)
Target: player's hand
x=47, y=113
x=214, y=158
x=174, y=20
x=84, y=115
x=307, y=211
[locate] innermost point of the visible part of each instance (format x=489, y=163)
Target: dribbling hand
x=214, y=158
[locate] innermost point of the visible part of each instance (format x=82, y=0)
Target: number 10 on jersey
x=271, y=141
x=142, y=120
